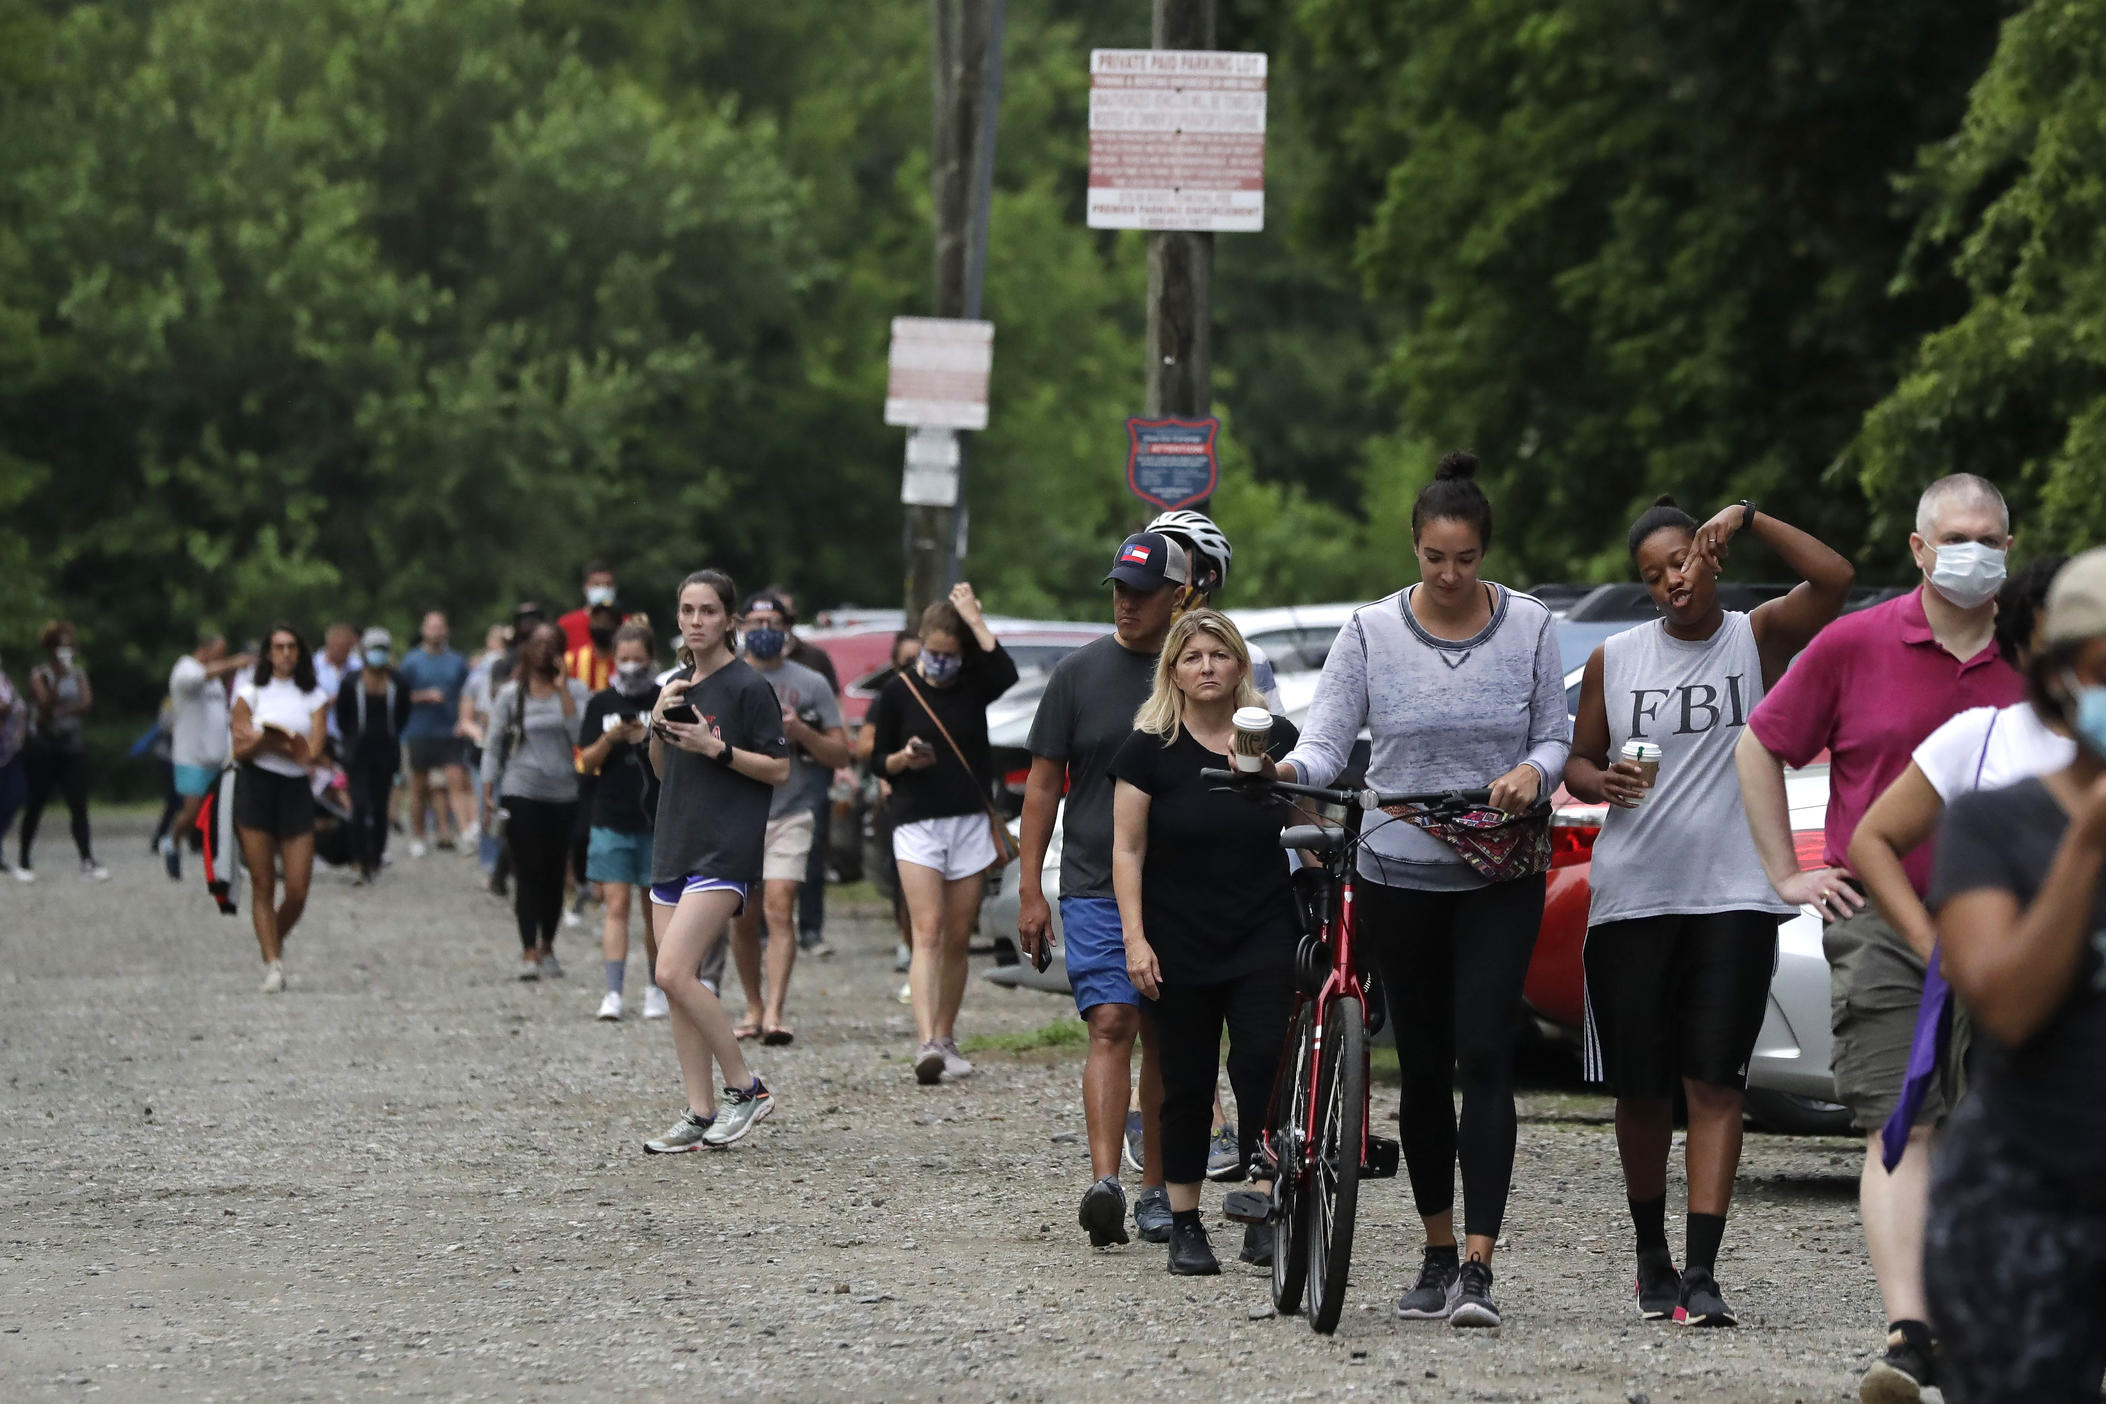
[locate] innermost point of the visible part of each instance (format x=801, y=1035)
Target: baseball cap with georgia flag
x=1148, y=560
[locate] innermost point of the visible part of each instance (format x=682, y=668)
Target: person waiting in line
x=906, y=654
x=2015, y=1244
x=1460, y=684
x=1869, y=690
x=930, y=730
x=197, y=686
x=811, y=720
x=372, y=710
x=530, y=772
x=811, y=897
x=578, y=625
x=334, y=661
x=279, y=728
x=435, y=675
x=14, y=785
x=487, y=672
x=56, y=758
x=1206, y=909
x=1679, y=953
x=624, y=800
x=718, y=749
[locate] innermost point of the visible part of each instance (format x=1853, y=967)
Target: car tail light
x=1013, y=781
x=1811, y=846
x=1572, y=834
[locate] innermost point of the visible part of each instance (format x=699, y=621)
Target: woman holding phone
x=279, y=725
x=531, y=767
x=624, y=796
x=718, y=749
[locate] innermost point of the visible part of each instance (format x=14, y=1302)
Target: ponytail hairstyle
x=727, y=595
x=1658, y=517
x=1454, y=495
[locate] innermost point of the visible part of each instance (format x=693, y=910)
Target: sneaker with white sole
x=954, y=1062
x=1701, y=1303
x=1428, y=1299
x=1224, y=1155
x=740, y=1113
x=1470, y=1297
x=417, y=848
x=89, y=868
x=1130, y=1145
x=24, y=874
x=929, y=1063
x=611, y=1006
x=654, y=1005
x=274, y=977
x=686, y=1135
x=550, y=969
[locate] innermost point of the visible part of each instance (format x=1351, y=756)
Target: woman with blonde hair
x=1205, y=904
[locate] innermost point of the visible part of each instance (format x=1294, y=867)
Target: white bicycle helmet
x=1197, y=531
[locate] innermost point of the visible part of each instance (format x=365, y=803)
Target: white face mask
x=599, y=595
x=1968, y=573
x=64, y=656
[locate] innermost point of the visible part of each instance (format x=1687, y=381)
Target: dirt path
x=413, y=1177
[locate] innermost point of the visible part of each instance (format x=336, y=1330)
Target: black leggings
x=538, y=833
x=1188, y=1022
x=1453, y=964
x=67, y=772
x=371, y=782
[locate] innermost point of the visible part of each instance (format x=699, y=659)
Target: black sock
x=1916, y=1333
x=1649, y=1217
x=1444, y=1253
x=1188, y=1218
x=1704, y=1232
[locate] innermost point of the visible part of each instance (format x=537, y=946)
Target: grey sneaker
x=550, y=970
x=1151, y=1214
x=929, y=1063
x=686, y=1135
x=1470, y=1296
x=739, y=1114
x=954, y=1063
x=1428, y=1300
x=1225, y=1155
x=902, y=957
x=1130, y=1151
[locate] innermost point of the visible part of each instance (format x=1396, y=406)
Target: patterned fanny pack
x=1498, y=845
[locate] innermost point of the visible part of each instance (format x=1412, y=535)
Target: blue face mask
x=376, y=658
x=765, y=643
x=2086, y=713
x=940, y=667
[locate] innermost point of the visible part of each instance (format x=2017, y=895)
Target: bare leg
x=299, y=872
x=1107, y=1081
x=1645, y=1130
x=259, y=854
x=779, y=898
x=1713, y=1151
x=186, y=821
x=700, y=1030
x=1894, y=1207
x=746, y=954
x=460, y=799
x=420, y=800
x=923, y=889
x=961, y=912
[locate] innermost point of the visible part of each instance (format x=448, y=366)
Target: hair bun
x=1459, y=463
x=1666, y=499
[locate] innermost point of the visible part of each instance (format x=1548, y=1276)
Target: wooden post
x=1180, y=379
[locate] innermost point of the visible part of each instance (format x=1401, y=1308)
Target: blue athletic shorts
x=192, y=781
x=613, y=856
x=668, y=894
x=1096, y=953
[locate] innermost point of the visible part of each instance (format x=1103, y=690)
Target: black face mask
x=603, y=640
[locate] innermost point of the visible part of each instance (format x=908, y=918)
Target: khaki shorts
x=1875, y=985
x=789, y=848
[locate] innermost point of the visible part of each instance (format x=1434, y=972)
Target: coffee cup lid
x=1252, y=719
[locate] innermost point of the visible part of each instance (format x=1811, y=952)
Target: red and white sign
x=1177, y=140
x=939, y=371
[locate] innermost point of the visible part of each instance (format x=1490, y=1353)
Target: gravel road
x=413, y=1177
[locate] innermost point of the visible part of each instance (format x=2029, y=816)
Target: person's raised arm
x=1897, y=823
x=1129, y=854
x=1787, y=624
x=1336, y=714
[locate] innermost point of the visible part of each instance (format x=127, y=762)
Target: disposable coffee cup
x=1253, y=736
x=1647, y=755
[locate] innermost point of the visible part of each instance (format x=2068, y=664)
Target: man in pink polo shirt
x=1868, y=690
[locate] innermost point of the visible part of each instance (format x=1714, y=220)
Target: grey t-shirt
x=713, y=821
x=200, y=715
x=541, y=764
x=797, y=686
x=1083, y=719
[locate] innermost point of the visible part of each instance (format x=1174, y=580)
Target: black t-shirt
x=371, y=732
x=1216, y=899
x=713, y=821
x=2040, y=1099
x=1082, y=721
x=944, y=789
x=625, y=794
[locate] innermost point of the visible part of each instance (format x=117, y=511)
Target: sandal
x=779, y=1037
x=746, y=1031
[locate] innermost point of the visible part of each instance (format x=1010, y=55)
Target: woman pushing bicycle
x=1206, y=908
x=1458, y=681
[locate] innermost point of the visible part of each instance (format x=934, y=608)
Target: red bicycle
x=1315, y=1145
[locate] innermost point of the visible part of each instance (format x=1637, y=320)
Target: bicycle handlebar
x=1359, y=799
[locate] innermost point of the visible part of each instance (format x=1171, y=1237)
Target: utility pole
x=966, y=74
x=1180, y=379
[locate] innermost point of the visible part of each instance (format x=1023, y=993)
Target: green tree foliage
x=2015, y=387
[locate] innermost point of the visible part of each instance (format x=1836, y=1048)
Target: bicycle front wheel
x=1289, y=1132
x=1333, y=1192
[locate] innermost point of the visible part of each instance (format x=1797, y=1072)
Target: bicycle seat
x=1313, y=838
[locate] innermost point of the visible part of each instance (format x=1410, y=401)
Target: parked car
x=863, y=656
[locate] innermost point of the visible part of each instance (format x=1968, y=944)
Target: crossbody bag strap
x=1982, y=760
x=945, y=732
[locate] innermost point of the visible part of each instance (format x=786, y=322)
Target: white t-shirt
x=2018, y=747
x=280, y=702
x=200, y=732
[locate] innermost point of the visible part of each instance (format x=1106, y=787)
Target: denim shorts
x=1096, y=954
x=614, y=856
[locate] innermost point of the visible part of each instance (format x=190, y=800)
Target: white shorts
x=789, y=848
x=959, y=846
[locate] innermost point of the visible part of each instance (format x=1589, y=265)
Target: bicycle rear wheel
x=1333, y=1187
x=1290, y=1107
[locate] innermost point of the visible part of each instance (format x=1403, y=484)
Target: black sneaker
x=1659, y=1285
x=1104, y=1212
x=1701, y=1303
x=1190, y=1253
x=1428, y=1301
x=1901, y=1375
x=1470, y=1299
x=1257, y=1245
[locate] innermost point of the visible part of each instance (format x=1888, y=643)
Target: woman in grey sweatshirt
x=531, y=764
x=1459, y=682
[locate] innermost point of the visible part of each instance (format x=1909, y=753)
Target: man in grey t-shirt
x=811, y=720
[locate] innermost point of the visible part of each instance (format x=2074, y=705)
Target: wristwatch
x=1747, y=513
x=723, y=757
